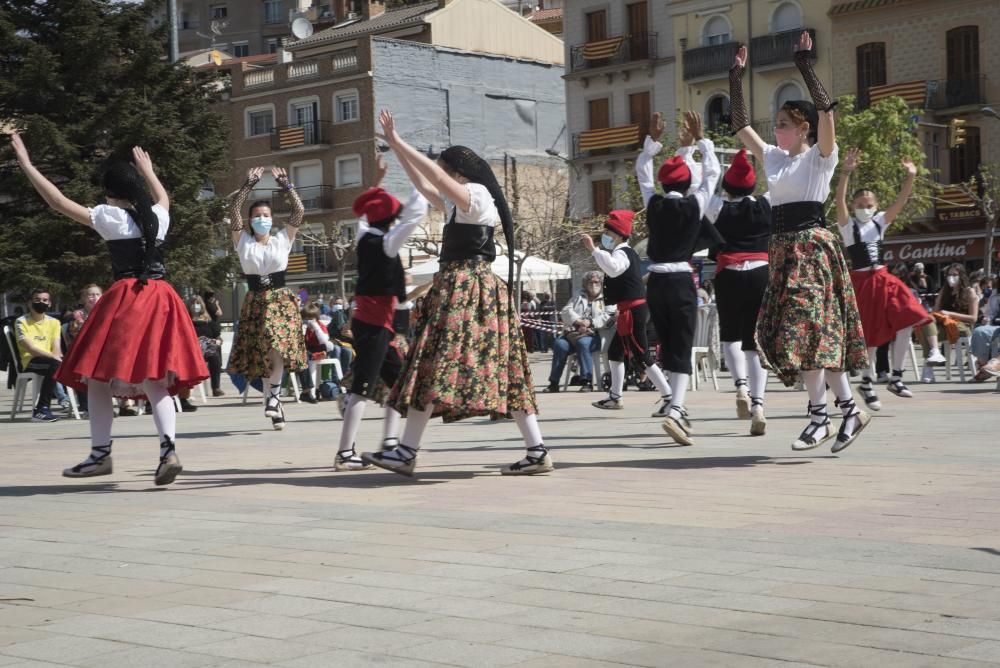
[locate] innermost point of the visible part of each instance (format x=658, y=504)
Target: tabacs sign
x=952, y=205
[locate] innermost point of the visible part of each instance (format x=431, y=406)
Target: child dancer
x=139, y=339
x=889, y=311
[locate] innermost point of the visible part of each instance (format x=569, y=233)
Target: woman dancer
x=809, y=322
x=269, y=338
x=889, y=311
x=139, y=339
x=468, y=357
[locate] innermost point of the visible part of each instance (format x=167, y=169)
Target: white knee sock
x=390, y=425
x=413, y=431
x=659, y=380
x=679, y=383
x=277, y=374
x=100, y=406
x=735, y=359
x=815, y=382
x=312, y=374
x=617, y=379
x=528, y=425
x=164, y=414
x=840, y=384
x=872, y=356
x=354, y=410
x=757, y=373
x=900, y=347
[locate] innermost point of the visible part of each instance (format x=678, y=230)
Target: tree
x=984, y=190
x=85, y=80
x=338, y=245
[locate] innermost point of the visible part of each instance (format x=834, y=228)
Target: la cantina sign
x=956, y=249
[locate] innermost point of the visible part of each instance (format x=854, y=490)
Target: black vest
x=462, y=241
x=674, y=226
x=864, y=254
x=628, y=285
x=128, y=257
x=745, y=225
x=378, y=274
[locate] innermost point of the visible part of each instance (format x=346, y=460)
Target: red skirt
x=136, y=333
x=886, y=305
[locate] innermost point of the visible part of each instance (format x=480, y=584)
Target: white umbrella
x=533, y=269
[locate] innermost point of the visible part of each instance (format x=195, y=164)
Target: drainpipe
x=749, y=39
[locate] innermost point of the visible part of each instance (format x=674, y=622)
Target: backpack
x=328, y=390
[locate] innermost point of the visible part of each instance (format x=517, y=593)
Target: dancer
x=468, y=357
x=741, y=272
x=384, y=225
x=269, y=338
x=139, y=339
x=889, y=311
x=674, y=222
x=809, y=322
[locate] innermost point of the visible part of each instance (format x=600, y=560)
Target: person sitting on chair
x=587, y=321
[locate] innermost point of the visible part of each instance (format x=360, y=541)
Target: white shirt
x=709, y=171
x=263, y=259
x=803, y=178
x=414, y=211
x=614, y=263
x=871, y=231
x=482, y=208
x=114, y=223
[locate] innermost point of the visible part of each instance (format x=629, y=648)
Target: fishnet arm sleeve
x=816, y=90
x=737, y=105
x=293, y=199
x=236, y=205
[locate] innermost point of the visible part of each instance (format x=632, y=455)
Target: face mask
x=607, y=241
x=952, y=281
x=338, y=307
x=39, y=307
x=864, y=215
x=261, y=225
x=196, y=309
x=786, y=137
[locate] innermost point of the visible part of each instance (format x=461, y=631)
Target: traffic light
x=956, y=132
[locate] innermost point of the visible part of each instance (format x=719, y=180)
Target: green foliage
x=85, y=80
x=885, y=133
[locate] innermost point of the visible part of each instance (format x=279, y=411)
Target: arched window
x=716, y=31
x=786, y=92
x=786, y=16
x=717, y=112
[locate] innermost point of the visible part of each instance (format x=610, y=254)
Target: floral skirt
x=269, y=319
x=809, y=318
x=468, y=357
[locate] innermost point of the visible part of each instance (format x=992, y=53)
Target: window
x=717, y=112
x=272, y=11
x=259, y=121
x=871, y=70
x=600, y=192
x=597, y=26
x=965, y=159
x=304, y=114
x=639, y=113
x=241, y=49
x=787, y=16
x=349, y=171
x=638, y=29
x=963, y=84
x=218, y=11
x=272, y=44
x=308, y=180
x=599, y=113
x=716, y=31
x=786, y=92
x=345, y=106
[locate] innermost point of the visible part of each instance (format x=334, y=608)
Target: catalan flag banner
x=624, y=135
x=290, y=137
x=602, y=49
x=953, y=197
x=914, y=92
x=297, y=263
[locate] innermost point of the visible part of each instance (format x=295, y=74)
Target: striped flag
x=609, y=137
x=913, y=92
x=297, y=263
x=291, y=137
x=602, y=49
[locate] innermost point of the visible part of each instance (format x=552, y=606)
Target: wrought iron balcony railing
x=614, y=51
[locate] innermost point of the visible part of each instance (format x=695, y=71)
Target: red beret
x=620, y=222
x=674, y=170
x=740, y=173
x=377, y=205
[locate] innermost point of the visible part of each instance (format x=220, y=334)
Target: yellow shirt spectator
x=43, y=334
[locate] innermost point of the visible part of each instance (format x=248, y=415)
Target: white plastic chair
x=317, y=369
x=702, y=358
x=599, y=360
x=26, y=377
x=962, y=357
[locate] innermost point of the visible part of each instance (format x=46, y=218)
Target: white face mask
x=196, y=308
x=864, y=215
x=607, y=241
x=953, y=281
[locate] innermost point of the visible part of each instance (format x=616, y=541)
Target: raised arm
x=904, y=192
x=644, y=163
x=826, y=132
x=613, y=264
x=239, y=200
x=52, y=195
x=144, y=164
x=419, y=181
x=710, y=167
x=414, y=210
x=851, y=161
x=292, y=197
x=438, y=183
x=738, y=118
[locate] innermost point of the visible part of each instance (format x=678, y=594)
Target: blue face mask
x=261, y=225
x=607, y=241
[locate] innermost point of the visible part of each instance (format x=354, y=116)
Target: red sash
x=376, y=310
x=726, y=259
x=624, y=325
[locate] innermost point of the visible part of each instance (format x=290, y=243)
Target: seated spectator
x=209, y=333
x=319, y=346
x=956, y=309
x=984, y=338
x=38, y=344
x=338, y=315
x=586, y=319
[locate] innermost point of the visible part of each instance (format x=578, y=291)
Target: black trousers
x=673, y=305
x=639, y=355
x=374, y=358
x=738, y=295
x=46, y=368
x=214, y=363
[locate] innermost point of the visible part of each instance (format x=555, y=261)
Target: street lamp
x=990, y=111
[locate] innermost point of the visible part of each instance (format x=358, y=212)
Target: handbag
x=577, y=334
x=209, y=348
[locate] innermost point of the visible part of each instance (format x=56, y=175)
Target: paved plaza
x=734, y=552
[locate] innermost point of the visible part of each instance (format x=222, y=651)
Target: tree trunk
x=991, y=228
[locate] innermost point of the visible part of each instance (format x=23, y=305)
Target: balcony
x=777, y=48
x=302, y=70
x=345, y=61
x=314, y=198
x=602, y=140
x=614, y=51
x=256, y=78
x=706, y=61
x=950, y=93
x=311, y=133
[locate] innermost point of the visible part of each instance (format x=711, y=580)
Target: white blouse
x=114, y=223
x=482, y=208
x=802, y=178
x=263, y=259
x=873, y=230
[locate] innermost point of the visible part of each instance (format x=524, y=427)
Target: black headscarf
x=463, y=160
x=123, y=181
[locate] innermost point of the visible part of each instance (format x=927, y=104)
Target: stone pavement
x=734, y=552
